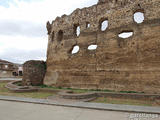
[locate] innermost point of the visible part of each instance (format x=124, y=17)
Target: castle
x=116, y=63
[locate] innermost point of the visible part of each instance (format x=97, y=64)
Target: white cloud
x=18, y=56
x=42, y=10
x=24, y=43
x=22, y=26
x=19, y=48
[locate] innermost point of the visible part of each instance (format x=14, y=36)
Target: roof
x=5, y=62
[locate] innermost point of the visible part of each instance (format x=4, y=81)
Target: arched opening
x=60, y=36
x=139, y=17
x=125, y=34
x=103, y=24
x=75, y=49
x=20, y=73
x=92, y=47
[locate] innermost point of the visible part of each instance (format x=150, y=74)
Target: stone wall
x=5, y=74
x=33, y=72
x=131, y=64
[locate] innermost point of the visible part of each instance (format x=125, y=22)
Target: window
x=139, y=17
x=20, y=73
x=104, y=25
x=92, y=47
x=77, y=30
x=88, y=25
x=125, y=34
x=75, y=49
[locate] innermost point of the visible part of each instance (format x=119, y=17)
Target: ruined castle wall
x=33, y=72
x=131, y=64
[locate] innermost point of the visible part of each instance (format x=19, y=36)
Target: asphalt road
x=29, y=111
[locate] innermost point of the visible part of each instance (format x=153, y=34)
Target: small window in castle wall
x=125, y=34
x=75, y=49
x=92, y=47
x=60, y=36
x=88, y=25
x=78, y=30
x=104, y=25
x=139, y=17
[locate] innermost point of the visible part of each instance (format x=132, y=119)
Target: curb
x=86, y=105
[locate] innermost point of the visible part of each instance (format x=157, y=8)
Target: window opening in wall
x=20, y=73
x=78, y=30
x=139, y=17
x=60, y=35
x=125, y=34
x=88, y=25
x=6, y=66
x=75, y=49
x=92, y=47
x=104, y=25
x=14, y=74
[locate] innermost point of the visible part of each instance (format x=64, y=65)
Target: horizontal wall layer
x=131, y=64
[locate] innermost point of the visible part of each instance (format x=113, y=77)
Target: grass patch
x=130, y=92
x=40, y=95
x=109, y=100
x=85, y=90
x=60, y=88
x=43, y=95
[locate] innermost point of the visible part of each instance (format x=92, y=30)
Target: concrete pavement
x=87, y=105
x=9, y=79
x=28, y=111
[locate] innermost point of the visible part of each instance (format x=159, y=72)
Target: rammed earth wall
x=33, y=72
x=131, y=64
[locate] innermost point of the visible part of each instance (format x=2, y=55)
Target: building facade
x=8, y=69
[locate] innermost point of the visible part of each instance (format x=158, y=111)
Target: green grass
x=60, y=88
x=85, y=90
x=125, y=101
x=41, y=95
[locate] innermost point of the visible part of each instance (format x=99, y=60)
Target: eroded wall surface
x=131, y=64
x=33, y=73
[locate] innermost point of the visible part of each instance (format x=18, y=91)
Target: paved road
x=29, y=111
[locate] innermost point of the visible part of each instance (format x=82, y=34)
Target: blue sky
x=23, y=34
x=5, y=3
